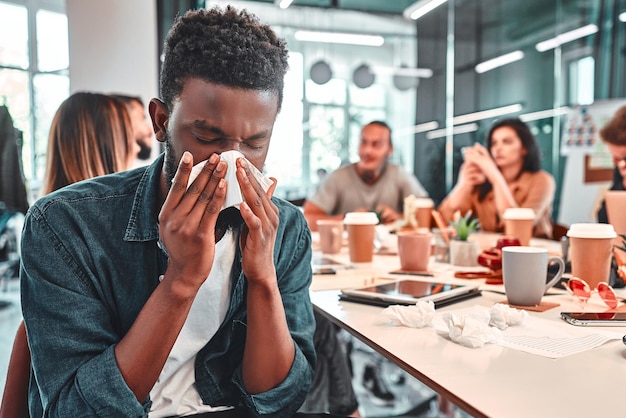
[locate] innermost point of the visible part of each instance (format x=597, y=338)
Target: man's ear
x=159, y=116
x=390, y=152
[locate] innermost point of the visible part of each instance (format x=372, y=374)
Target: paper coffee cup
x=518, y=222
x=591, y=246
x=361, y=227
x=414, y=249
x=423, y=212
x=331, y=235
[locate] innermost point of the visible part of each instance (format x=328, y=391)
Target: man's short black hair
x=382, y=124
x=222, y=46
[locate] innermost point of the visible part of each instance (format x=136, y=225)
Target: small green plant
x=465, y=225
x=379, y=215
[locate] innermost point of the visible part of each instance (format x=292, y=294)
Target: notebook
x=409, y=292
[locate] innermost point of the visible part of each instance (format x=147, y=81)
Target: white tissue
x=419, y=315
x=503, y=316
x=233, y=191
x=471, y=330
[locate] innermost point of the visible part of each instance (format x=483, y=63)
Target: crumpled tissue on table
x=233, y=191
x=503, y=316
x=471, y=330
x=482, y=326
x=419, y=315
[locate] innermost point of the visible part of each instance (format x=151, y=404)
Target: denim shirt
x=90, y=261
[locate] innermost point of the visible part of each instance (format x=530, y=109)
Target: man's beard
x=368, y=176
x=229, y=218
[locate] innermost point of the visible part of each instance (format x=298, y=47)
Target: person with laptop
x=614, y=136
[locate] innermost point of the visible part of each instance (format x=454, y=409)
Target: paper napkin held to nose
x=233, y=191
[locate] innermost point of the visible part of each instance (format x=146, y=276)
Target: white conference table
x=491, y=381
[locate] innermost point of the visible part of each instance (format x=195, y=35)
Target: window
x=581, y=76
x=319, y=124
x=34, y=80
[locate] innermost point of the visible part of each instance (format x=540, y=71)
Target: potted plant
x=462, y=251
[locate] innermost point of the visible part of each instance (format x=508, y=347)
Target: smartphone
x=595, y=319
x=324, y=270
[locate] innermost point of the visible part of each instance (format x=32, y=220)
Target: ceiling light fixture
x=283, y=4
x=505, y=59
x=339, y=38
x=426, y=126
x=544, y=114
x=420, y=8
x=566, y=37
x=462, y=129
x=486, y=114
x=622, y=17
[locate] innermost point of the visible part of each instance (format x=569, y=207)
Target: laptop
x=615, y=201
x=409, y=292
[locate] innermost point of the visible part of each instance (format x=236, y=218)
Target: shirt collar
x=143, y=223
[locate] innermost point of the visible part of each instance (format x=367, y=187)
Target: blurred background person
x=91, y=135
x=614, y=136
x=370, y=184
x=12, y=184
x=504, y=174
x=142, y=128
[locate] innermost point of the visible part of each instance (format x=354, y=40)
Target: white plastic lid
x=329, y=222
x=360, y=218
x=424, y=202
x=591, y=230
x=519, y=213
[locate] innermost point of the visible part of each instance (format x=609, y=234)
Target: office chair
x=15, y=396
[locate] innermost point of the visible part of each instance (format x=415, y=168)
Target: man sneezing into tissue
x=167, y=290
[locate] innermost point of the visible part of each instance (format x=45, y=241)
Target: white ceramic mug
x=524, y=271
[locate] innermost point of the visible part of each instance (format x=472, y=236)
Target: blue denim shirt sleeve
x=69, y=329
x=293, y=265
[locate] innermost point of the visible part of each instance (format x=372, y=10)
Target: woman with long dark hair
x=504, y=174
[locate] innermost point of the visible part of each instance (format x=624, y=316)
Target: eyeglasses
x=582, y=291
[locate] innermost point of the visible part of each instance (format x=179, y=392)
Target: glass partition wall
x=534, y=59
x=473, y=61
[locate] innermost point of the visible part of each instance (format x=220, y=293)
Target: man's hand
x=387, y=214
x=187, y=219
x=261, y=218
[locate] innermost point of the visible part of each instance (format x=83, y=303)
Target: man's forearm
x=143, y=351
x=269, y=350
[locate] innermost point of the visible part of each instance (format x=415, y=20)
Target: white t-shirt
x=174, y=393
